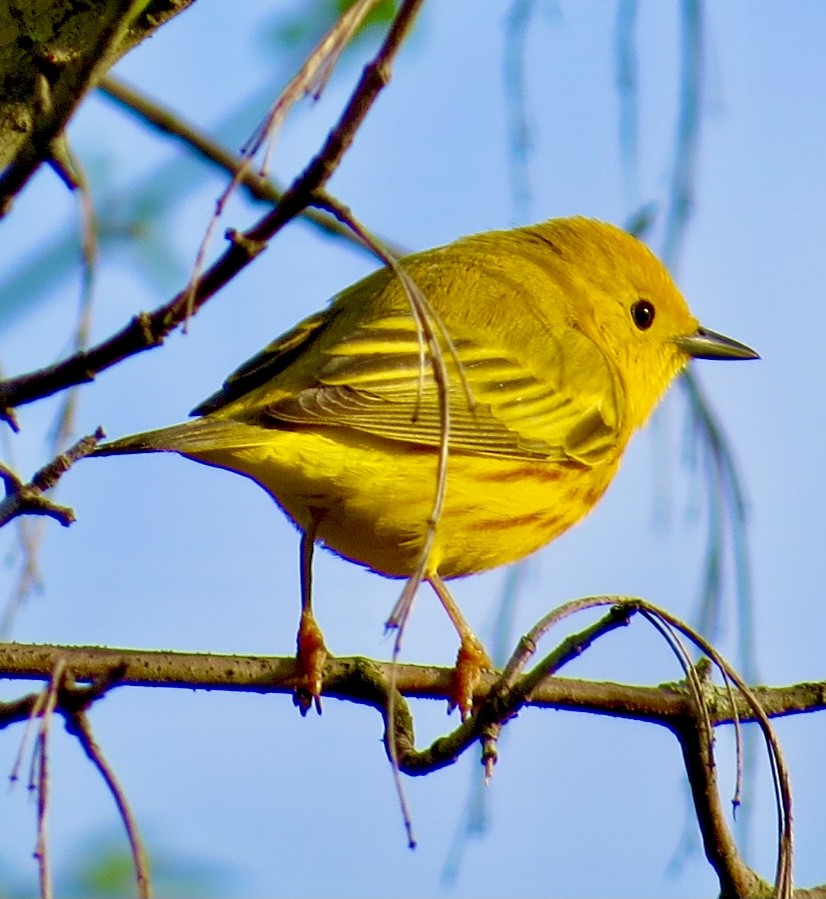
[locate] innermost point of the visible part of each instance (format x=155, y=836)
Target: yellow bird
x=556, y=340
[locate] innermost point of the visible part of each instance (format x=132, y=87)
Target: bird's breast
x=371, y=499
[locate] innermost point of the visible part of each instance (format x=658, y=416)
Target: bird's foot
x=471, y=661
x=312, y=655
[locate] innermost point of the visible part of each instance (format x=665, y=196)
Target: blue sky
x=170, y=555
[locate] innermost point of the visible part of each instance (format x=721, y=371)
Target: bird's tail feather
x=200, y=435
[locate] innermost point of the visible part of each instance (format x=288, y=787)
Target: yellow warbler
x=557, y=341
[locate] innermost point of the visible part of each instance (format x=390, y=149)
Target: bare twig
x=432, y=334
x=687, y=139
x=696, y=740
x=77, y=723
x=627, y=81
x=40, y=780
x=311, y=77
x=72, y=701
x=728, y=865
x=519, y=129
x=259, y=188
x=29, y=499
x=65, y=421
x=31, y=533
x=29, y=536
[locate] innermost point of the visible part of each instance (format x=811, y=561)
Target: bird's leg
x=471, y=659
x=312, y=653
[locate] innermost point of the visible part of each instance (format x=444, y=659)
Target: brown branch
x=366, y=682
x=736, y=878
x=728, y=865
x=45, y=708
x=148, y=330
x=64, y=426
x=696, y=740
x=29, y=499
x=77, y=723
x=315, y=71
x=344, y=679
x=165, y=120
x=725, y=859
x=312, y=77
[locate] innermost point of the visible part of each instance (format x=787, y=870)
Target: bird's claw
x=312, y=655
x=471, y=661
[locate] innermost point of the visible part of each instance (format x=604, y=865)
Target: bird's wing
x=379, y=380
x=268, y=364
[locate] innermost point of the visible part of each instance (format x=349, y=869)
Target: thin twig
x=65, y=425
x=431, y=335
x=527, y=647
x=165, y=120
x=312, y=77
x=783, y=876
x=687, y=139
x=41, y=763
x=518, y=125
x=29, y=499
x=29, y=538
x=77, y=723
x=315, y=71
x=627, y=80
x=735, y=877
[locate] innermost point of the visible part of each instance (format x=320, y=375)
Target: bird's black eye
x=643, y=314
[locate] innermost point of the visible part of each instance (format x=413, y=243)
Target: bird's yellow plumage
x=557, y=341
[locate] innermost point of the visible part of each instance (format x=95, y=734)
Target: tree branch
x=29, y=499
x=61, y=74
x=344, y=679
x=372, y=683
x=736, y=878
x=169, y=122
x=77, y=723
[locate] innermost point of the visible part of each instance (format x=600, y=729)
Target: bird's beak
x=705, y=344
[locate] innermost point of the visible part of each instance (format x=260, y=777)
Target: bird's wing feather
x=379, y=380
x=267, y=364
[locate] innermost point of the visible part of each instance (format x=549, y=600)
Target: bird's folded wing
x=380, y=380
x=275, y=358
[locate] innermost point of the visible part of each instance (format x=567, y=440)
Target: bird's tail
x=200, y=435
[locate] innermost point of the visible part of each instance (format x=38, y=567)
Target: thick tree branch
x=344, y=679
x=61, y=64
x=57, y=42
x=372, y=683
